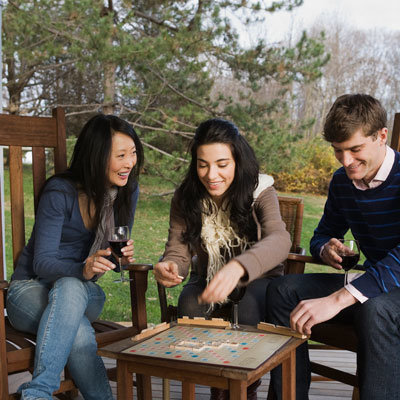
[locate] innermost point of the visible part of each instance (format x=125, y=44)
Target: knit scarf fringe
x=219, y=238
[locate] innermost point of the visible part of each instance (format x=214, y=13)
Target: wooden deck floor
x=319, y=390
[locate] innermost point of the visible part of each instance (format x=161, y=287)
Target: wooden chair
x=327, y=336
x=17, y=348
x=331, y=335
x=292, y=214
x=291, y=209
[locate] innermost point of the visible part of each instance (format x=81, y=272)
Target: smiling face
x=122, y=159
x=215, y=169
x=361, y=155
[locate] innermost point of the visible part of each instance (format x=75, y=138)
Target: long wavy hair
x=239, y=196
x=88, y=169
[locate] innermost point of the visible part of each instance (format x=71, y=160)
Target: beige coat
x=264, y=258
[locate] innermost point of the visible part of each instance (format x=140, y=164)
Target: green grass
x=150, y=234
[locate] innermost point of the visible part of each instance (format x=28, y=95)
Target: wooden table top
x=115, y=351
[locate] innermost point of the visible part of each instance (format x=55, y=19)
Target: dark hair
x=89, y=164
x=240, y=193
x=352, y=112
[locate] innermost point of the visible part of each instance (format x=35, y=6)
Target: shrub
x=310, y=168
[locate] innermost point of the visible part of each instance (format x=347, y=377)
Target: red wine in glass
x=117, y=246
x=235, y=296
x=349, y=262
x=119, y=236
x=350, y=255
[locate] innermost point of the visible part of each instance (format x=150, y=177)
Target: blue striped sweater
x=373, y=216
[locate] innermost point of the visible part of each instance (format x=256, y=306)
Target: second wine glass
x=350, y=255
x=235, y=296
x=118, y=239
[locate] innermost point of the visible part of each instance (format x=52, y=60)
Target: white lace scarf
x=218, y=237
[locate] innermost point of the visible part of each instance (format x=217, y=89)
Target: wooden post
x=124, y=381
x=237, y=390
x=289, y=377
x=188, y=391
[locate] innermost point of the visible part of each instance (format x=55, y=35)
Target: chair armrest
x=3, y=293
x=138, y=267
x=300, y=250
x=302, y=258
x=105, y=338
x=311, y=260
x=138, y=273
x=4, y=284
x=296, y=263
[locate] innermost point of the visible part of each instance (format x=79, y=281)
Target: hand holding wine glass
x=350, y=255
x=118, y=239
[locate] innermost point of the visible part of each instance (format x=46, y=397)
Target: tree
x=158, y=64
x=360, y=62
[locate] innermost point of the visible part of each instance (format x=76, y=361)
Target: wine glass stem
x=345, y=278
x=235, y=316
x=121, y=269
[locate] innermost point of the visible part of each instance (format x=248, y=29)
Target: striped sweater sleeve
x=332, y=224
x=373, y=216
x=382, y=277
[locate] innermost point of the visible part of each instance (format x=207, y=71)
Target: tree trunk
x=109, y=88
x=109, y=71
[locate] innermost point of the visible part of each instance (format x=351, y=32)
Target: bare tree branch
x=162, y=151
x=198, y=11
x=166, y=116
x=156, y=21
x=187, y=135
x=176, y=91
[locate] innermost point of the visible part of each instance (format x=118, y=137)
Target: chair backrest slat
x=292, y=214
x=1, y=249
x=60, y=150
x=17, y=201
x=395, y=141
x=22, y=131
x=38, y=171
x=37, y=133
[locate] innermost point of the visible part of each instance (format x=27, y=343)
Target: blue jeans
x=60, y=314
x=251, y=307
x=376, y=322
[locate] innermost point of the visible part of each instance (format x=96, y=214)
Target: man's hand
x=314, y=311
x=330, y=254
x=166, y=273
x=224, y=281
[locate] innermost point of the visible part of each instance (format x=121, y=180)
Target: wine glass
x=235, y=296
x=118, y=239
x=350, y=256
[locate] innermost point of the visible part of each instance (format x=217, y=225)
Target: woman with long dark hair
x=227, y=215
x=53, y=292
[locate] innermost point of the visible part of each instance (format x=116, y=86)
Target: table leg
x=124, y=381
x=237, y=390
x=188, y=391
x=166, y=389
x=143, y=386
x=289, y=377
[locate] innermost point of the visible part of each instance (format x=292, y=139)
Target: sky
x=360, y=14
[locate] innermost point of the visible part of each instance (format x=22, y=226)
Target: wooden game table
x=235, y=379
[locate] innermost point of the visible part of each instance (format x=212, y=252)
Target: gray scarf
x=106, y=222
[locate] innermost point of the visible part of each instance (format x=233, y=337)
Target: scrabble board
x=214, y=346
